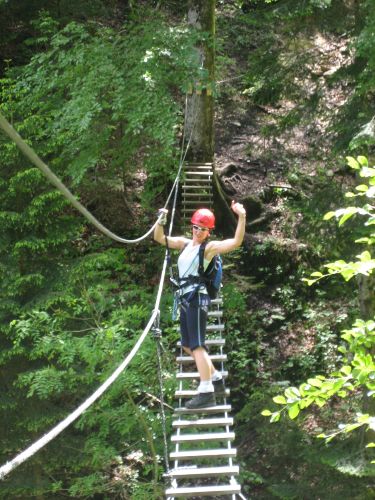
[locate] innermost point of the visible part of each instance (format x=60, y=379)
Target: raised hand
x=238, y=208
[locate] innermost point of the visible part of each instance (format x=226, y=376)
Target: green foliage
x=70, y=343
x=357, y=368
x=282, y=461
x=102, y=99
x=101, y=105
x=365, y=264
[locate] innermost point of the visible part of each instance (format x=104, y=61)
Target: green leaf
x=351, y=427
x=275, y=417
x=347, y=370
x=362, y=160
x=367, y=172
x=266, y=413
x=315, y=382
x=352, y=162
x=329, y=215
x=348, y=212
x=280, y=400
x=293, y=411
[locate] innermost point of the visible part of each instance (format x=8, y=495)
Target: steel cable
x=55, y=431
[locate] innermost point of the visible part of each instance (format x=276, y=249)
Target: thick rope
x=34, y=158
x=55, y=431
x=31, y=450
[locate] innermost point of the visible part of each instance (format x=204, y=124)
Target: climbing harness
x=210, y=278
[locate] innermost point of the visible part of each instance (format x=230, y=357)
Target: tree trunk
x=200, y=115
x=367, y=309
x=367, y=296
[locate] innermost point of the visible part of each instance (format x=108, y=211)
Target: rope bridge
x=190, y=475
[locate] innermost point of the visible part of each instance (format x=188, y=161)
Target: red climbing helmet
x=203, y=217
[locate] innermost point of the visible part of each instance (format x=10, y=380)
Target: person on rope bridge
x=193, y=296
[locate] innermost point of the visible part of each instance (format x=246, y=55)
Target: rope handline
x=31, y=450
x=34, y=158
x=55, y=431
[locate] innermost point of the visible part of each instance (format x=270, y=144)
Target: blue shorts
x=193, y=320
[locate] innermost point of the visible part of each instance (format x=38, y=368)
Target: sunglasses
x=198, y=228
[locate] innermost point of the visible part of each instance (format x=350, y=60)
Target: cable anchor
x=155, y=329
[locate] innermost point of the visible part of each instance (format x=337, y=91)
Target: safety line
x=31, y=450
x=34, y=158
x=55, y=431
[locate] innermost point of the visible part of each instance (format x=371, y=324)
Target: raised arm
x=225, y=246
x=176, y=242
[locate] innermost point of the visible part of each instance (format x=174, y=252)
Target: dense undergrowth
x=97, y=89
x=301, y=103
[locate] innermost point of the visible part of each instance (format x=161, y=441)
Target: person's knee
x=187, y=350
x=199, y=351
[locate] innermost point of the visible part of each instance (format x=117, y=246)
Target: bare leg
x=204, y=363
x=190, y=353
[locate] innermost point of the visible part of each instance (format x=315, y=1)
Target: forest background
x=97, y=88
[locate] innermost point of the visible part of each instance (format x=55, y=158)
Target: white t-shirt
x=188, y=264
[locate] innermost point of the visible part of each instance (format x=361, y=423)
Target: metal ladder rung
x=195, y=188
x=189, y=359
x=182, y=472
x=191, y=393
x=215, y=314
x=199, y=491
x=206, y=174
x=202, y=422
x=195, y=203
x=209, y=342
x=196, y=195
x=195, y=165
x=207, y=436
x=211, y=453
x=213, y=328
x=197, y=184
x=210, y=409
